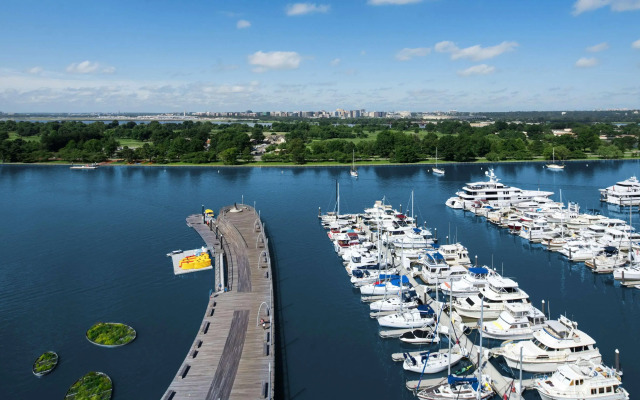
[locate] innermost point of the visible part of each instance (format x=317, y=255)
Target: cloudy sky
x=418, y=55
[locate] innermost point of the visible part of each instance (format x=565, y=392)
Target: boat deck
x=232, y=355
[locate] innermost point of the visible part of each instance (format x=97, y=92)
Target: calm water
x=85, y=246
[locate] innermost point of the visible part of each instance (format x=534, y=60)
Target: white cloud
x=482, y=69
x=394, y=2
x=474, y=53
x=306, y=8
x=598, y=47
x=581, y=6
x=242, y=24
x=274, y=60
x=407, y=54
x=108, y=70
x=85, y=67
x=35, y=70
x=636, y=44
x=587, y=62
x=335, y=62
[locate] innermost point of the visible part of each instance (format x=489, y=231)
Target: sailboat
x=553, y=166
x=436, y=170
x=354, y=171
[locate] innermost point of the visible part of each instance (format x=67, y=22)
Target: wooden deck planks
x=231, y=363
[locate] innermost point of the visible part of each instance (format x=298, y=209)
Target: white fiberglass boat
x=516, y=322
x=405, y=301
x=420, y=336
x=470, y=284
x=458, y=388
x=388, y=287
x=418, y=317
x=496, y=294
x=432, y=362
x=623, y=193
x=492, y=193
x=559, y=343
x=584, y=381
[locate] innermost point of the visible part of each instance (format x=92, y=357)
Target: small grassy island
x=111, y=334
x=45, y=363
x=92, y=386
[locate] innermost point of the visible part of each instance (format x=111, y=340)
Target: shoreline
x=317, y=165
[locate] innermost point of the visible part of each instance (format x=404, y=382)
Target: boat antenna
x=503, y=268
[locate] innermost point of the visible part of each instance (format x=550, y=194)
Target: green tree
x=229, y=156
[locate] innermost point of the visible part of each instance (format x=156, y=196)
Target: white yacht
x=394, y=303
x=623, y=193
x=470, y=284
x=516, y=322
x=585, y=381
x=492, y=193
x=455, y=254
x=559, y=343
x=496, y=294
x=390, y=287
x=606, y=261
x=434, y=269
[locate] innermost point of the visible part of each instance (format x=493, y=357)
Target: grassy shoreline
x=320, y=164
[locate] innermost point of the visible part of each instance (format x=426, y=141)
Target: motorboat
x=455, y=254
x=584, y=380
x=362, y=277
x=434, y=269
x=420, y=336
x=418, y=317
x=84, y=166
x=414, y=238
x=623, y=193
x=516, y=322
x=606, y=261
x=496, y=294
x=354, y=171
x=558, y=343
x=470, y=284
x=459, y=388
x=392, y=286
x=432, y=362
x=406, y=300
x=492, y=193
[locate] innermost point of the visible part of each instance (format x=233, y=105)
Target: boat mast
x=451, y=327
x=479, y=391
x=338, y=199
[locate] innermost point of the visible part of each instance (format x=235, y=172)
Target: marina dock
x=232, y=355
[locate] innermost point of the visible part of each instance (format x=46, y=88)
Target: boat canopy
x=453, y=380
x=425, y=309
x=479, y=270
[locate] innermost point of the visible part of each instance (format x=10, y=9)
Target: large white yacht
x=516, y=322
x=496, y=294
x=492, y=193
x=559, y=343
x=585, y=380
x=623, y=193
x=470, y=284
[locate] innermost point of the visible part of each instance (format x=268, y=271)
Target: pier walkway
x=232, y=356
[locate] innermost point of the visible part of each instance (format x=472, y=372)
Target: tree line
x=399, y=141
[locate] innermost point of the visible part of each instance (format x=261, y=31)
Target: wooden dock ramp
x=232, y=356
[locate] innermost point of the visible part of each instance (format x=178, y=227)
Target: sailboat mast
x=449, y=328
x=338, y=199
x=479, y=391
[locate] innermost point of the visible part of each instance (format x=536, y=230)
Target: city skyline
x=414, y=55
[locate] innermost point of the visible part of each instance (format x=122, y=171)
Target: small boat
x=85, y=166
x=516, y=322
x=433, y=362
x=406, y=300
x=553, y=166
x=436, y=170
x=418, y=317
x=174, y=252
x=420, y=336
x=392, y=286
x=584, y=380
x=459, y=388
x=354, y=171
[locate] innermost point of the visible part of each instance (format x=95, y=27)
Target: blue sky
x=417, y=55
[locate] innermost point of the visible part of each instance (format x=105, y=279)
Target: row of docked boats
x=606, y=245
x=381, y=267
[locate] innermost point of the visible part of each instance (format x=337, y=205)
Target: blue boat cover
x=453, y=380
x=479, y=270
x=425, y=309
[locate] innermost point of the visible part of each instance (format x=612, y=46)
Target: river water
x=85, y=246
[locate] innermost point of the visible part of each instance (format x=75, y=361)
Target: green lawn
x=130, y=143
x=14, y=136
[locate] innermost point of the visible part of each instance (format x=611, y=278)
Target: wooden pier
x=232, y=356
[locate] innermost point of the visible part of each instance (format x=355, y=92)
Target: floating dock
x=177, y=257
x=232, y=355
